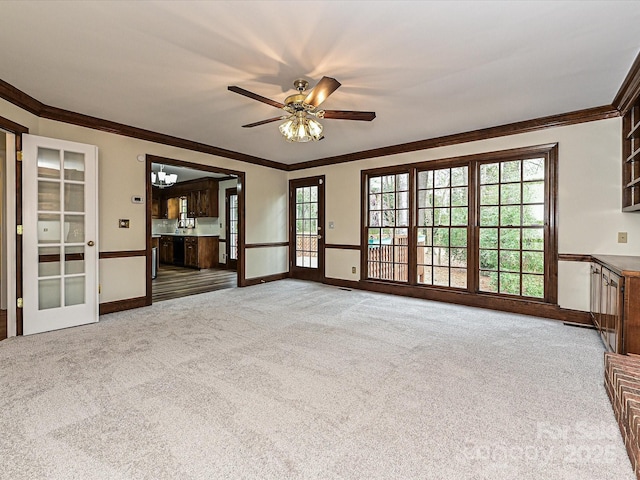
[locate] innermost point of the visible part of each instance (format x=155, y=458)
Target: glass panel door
x=307, y=220
x=61, y=257
x=231, y=197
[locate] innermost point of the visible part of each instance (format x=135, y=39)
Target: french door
x=60, y=234
x=231, y=205
x=306, y=220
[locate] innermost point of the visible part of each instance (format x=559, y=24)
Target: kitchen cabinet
x=615, y=301
x=166, y=249
x=201, y=252
x=201, y=195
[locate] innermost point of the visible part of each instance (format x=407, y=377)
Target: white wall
x=589, y=198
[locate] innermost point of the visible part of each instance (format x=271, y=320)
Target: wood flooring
x=175, y=282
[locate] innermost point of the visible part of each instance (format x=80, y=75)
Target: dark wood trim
x=341, y=246
x=572, y=118
x=3, y=324
x=11, y=126
x=574, y=257
x=222, y=240
x=268, y=278
x=630, y=88
x=121, y=305
x=123, y=254
x=522, y=307
x=19, y=98
x=266, y=245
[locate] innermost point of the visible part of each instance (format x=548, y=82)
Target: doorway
x=188, y=229
x=306, y=220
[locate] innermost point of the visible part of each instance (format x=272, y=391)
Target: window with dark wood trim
x=388, y=227
x=482, y=224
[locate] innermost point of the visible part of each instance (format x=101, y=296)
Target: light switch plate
x=622, y=237
x=331, y=225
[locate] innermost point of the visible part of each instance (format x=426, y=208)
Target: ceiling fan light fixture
x=300, y=129
x=162, y=179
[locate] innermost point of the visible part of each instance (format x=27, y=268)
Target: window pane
x=533, y=215
x=510, y=238
x=375, y=201
x=402, y=200
x=458, y=237
x=388, y=218
x=459, y=197
x=489, y=259
x=510, y=193
x=509, y=261
x=489, y=216
x=441, y=257
x=460, y=216
x=488, y=238
x=510, y=171
x=510, y=283
x=425, y=198
x=533, y=239
x=489, y=173
x=441, y=216
x=533, y=192
x=441, y=237
x=425, y=218
x=441, y=197
x=402, y=181
x=375, y=185
x=533, y=262
x=533, y=169
x=459, y=176
x=459, y=277
x=510, y=215
x=488, y=281
x=489, y=195
x=441, y=276
x=388, y=183
x=425, y=179
x=458, y=257
x=442, y=178
x=533, y=285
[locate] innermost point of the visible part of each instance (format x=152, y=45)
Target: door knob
x=90, y=243
x=319, y=237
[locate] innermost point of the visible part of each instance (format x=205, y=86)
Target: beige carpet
x=295, y=380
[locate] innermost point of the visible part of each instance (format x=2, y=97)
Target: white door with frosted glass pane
x=60, y=222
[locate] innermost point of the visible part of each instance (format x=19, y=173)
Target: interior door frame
x=231, y=264
x=241, y=182
x=12, y=219
x=304, y=273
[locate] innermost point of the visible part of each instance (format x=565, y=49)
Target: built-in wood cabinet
x=201, y=195
x=615, y=301
x=201, y=252
x=166, y=249
x=631, y=158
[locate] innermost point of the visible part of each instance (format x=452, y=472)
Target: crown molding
x=30, y=104
x=553, y=121
x=630, y=88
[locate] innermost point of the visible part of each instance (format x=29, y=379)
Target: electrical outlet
x=622, y=237
x=123, y=223
x=353, y=270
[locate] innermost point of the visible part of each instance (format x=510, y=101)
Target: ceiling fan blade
x=325, y=87
x=349, y=115
x=262, y=122
x=255, y=96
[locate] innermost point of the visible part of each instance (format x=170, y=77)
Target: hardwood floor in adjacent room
x=174, y=282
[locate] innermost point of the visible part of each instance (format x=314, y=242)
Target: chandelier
x=300, y=128
x=163, y=179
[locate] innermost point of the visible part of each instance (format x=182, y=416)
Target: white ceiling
x=426, y=68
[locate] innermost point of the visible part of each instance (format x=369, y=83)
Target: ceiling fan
x=299, y=107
